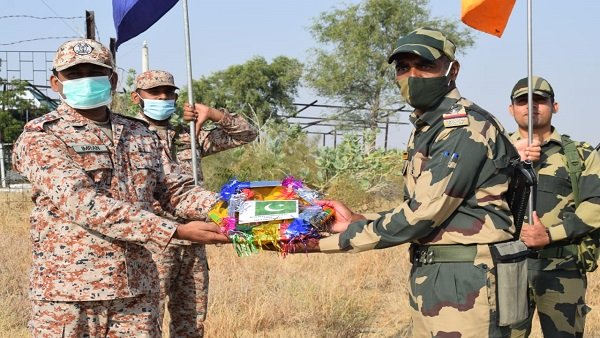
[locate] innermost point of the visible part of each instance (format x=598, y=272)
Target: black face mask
x=424, y=93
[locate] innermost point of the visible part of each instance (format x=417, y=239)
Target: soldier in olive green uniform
x=455, y=173
x=557, y=281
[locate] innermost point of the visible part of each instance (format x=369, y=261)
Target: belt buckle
x=424, y=256
x=430, y=257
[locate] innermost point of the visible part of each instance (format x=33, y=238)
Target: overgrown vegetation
x=363, y=181
x=349, y=64
x=15, y=108
x=256, y=88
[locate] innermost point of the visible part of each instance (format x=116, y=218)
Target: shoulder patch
x=132, y=118
x=456, y=117
x=38, y=124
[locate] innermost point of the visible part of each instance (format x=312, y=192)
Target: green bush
x=363, y=181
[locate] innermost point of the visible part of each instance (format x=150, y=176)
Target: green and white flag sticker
x=264, y=211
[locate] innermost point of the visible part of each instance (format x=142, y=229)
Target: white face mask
x=87, y=92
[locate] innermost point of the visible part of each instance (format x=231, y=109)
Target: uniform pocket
x=145, y=167
x=98, y=166
x=144, y=161
x=554, y=185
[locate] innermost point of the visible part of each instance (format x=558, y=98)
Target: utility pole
x=90, y=25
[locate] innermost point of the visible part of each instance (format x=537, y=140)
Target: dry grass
x=265, y=295
x=314, y=295
x=14, y=263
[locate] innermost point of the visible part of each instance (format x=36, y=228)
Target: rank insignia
x=405, y=156
x=455, y=119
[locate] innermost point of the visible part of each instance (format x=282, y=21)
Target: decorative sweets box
x=278, y=214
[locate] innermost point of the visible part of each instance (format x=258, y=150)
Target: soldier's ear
x=454, y=70
x=54, y=83
x=510, y=110
x=135, y=97
x=114, y=80
x=555, y=107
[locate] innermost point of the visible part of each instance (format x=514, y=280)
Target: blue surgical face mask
x=87, y=92
x=158, y=110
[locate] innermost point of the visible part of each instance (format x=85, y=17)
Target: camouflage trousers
x=455, y=300
x=559, y=296
x=183, y=271
x=129, y=317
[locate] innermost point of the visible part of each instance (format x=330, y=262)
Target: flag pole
x=530, y=97
x=188, y=53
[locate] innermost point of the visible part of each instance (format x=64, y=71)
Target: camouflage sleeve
x=232, y=131
x=44, y=160
x=178, y=194
x=587, y=215
x=442, y=181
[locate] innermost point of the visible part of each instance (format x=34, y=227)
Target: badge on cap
x=82, y=48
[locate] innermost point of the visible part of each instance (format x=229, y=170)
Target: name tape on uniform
x=90, y=148
x=455, y=120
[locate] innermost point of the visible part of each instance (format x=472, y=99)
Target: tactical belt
x=562, y=251
x=430, y=254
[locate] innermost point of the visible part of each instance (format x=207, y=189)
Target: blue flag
x=132, y=17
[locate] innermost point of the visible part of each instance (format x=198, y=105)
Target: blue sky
x=228, y=32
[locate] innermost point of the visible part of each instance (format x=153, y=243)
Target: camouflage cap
x=425, y=42
x=154, y=78
x=79, y=51
x=540, y=87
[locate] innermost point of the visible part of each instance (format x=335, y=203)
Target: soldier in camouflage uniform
x=182, y=267
x=455, y=172
x=556, y=281
x=94, y=176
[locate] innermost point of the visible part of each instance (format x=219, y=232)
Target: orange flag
x=489, y=16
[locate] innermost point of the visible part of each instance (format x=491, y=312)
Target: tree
x=122, y=101
x=256, y=88
x=14, y=102
x=351, y=66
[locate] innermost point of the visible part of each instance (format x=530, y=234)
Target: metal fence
x=13, y=187
x=31, y=66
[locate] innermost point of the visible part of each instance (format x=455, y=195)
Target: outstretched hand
x=343, y=215
x=201, y=232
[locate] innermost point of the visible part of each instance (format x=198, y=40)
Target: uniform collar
x=554, y=137
x=140, y=116
x=431, y=117
x=70, y=115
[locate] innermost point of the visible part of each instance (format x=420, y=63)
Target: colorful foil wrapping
x=280, y=235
